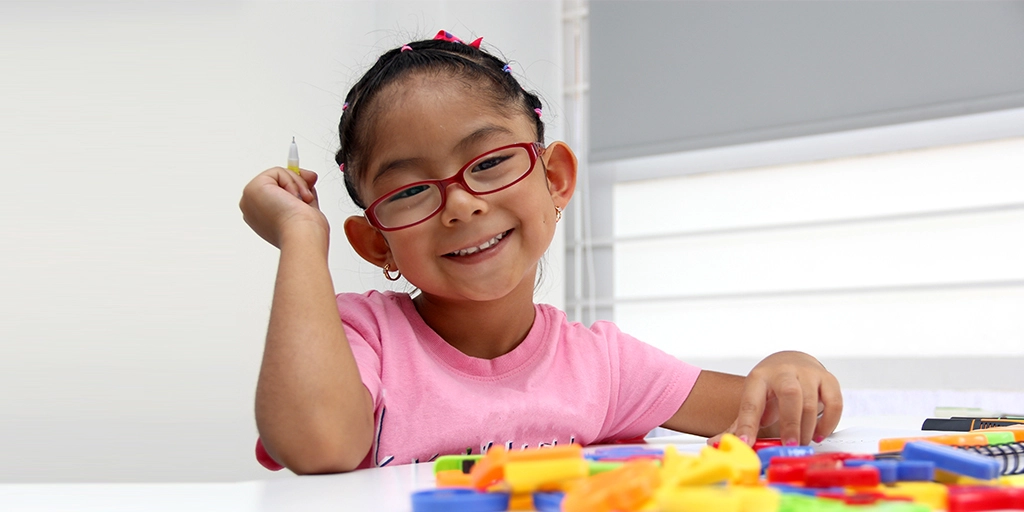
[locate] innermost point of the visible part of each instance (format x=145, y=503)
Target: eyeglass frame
x=533, y=149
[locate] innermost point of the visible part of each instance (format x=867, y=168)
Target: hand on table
x=789, y=395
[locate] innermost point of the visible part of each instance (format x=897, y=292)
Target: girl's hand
x=788, y=395
x=277, y=199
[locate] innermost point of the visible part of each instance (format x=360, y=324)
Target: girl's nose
x=461, y=205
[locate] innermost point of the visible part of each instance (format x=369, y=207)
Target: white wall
x=133, y=299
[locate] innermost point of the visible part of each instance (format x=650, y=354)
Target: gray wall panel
x=678, y=76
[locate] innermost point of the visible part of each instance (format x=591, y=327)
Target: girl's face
x=429, y=128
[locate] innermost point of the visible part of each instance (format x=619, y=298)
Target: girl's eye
x=409, y=192
x=489, y=163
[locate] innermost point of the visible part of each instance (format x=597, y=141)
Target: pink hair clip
x=406, y=48
x=444, y=35
x=538, y=111
x=344, y=106
x=507, y=68
x=341, y=167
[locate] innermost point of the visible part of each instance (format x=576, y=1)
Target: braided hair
x=455, y=58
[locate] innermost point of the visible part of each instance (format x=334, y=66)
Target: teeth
x=485, y=245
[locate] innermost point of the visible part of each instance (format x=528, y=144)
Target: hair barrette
x=444, y=35
x=538, y=111
x=341, y=167
x=344, y=106
x=406, y=48
x=507, y=68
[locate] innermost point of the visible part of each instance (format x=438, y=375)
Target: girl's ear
x=560, y=162
x=368, y=242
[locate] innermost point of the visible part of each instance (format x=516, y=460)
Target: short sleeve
x=652, y=385
x=358, y=317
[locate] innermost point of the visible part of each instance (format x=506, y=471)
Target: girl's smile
x=480, y=249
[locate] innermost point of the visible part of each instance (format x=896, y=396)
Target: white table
x=385, y=489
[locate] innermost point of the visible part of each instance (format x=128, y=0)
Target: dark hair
x=458, y=59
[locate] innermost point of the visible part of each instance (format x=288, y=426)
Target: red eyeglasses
x=488, y=173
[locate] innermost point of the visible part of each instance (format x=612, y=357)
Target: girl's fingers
x=832, y=400
x=791, y=405
x=265, y=201
x=309, y=177
x=307, y=180
x=297, y=185
x=311, y=181
x=752, y=404
x=287, y=180
x=771, y=413
x=786, y=390
x=809, y=413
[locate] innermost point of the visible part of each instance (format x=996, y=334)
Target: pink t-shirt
x=563, y=384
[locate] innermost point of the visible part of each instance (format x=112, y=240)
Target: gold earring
x=558, y=214
x=387, y=273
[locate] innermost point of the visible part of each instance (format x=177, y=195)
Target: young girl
x=444, y=151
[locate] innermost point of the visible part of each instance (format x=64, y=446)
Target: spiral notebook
x=1010, y=456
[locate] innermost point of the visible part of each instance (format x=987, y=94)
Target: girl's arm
x=313, y=412
x=781, y=397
